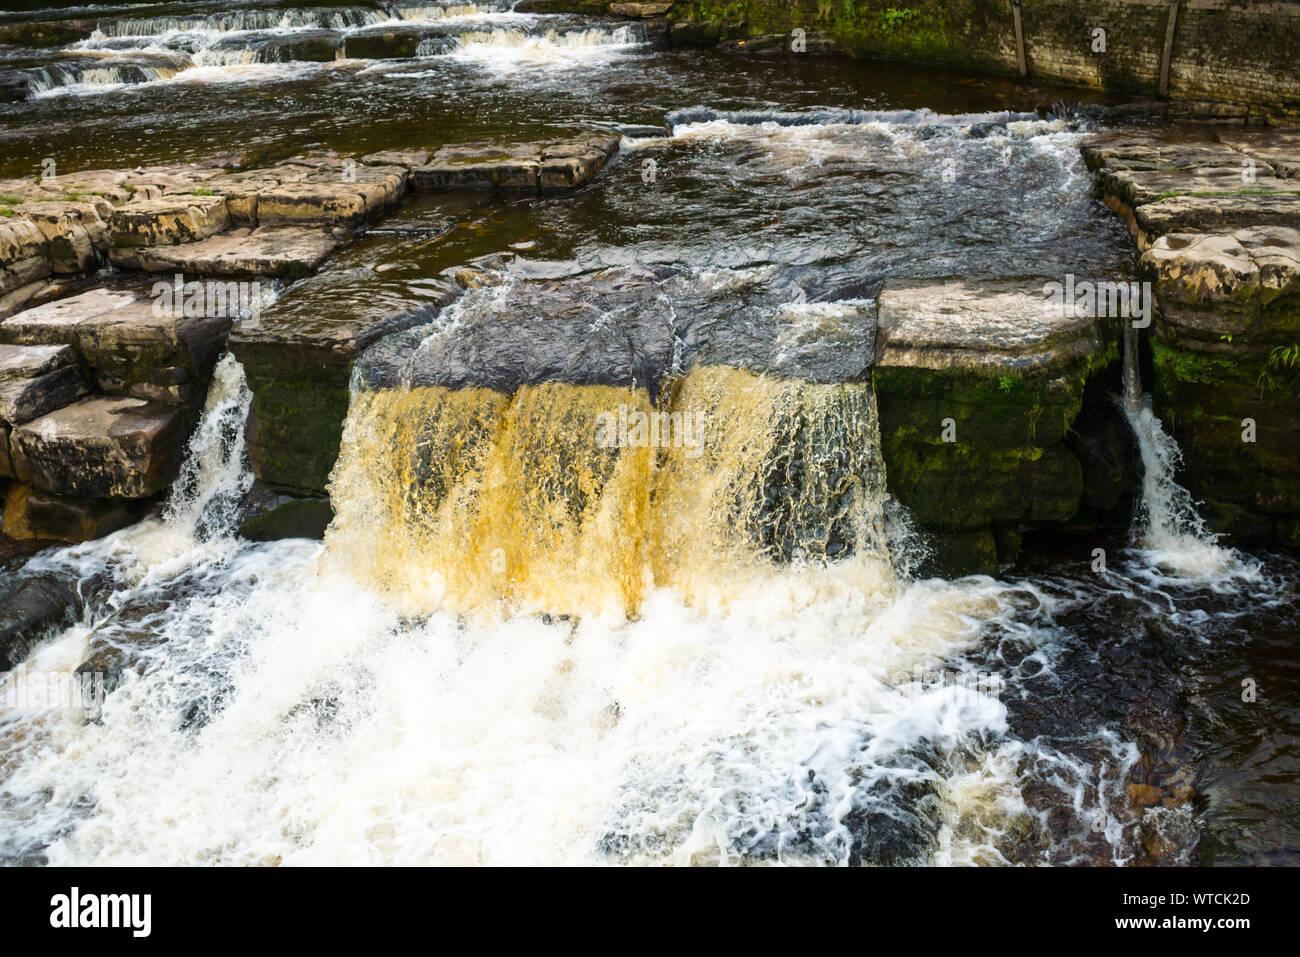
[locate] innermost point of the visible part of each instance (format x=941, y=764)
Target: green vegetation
x=1280, y=375
x=894, y=17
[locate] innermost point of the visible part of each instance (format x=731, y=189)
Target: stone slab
x=986, y=325
x=290, y=252
x=56, y=322
x=101, y=447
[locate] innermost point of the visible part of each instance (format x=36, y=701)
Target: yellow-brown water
x=565, y=499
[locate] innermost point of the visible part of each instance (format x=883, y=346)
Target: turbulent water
x=526, y=641
x=289, y=703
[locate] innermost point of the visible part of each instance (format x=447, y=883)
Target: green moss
x=1186, y=366
x=8, y=200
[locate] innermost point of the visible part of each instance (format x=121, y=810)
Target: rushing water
x=515, y=647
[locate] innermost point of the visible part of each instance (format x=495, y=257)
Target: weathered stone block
x=639, y=10
x=71, y=519
x=6, y=461
x=165, y=221
x=101, y=447
x=291, y=252
x=299, y=358
x=449, y=172
x=269, y=515
x=136, y=351
x=35, y=380
x=56, y=322
x=76, y=234
x=976, y=384
x=24, y=254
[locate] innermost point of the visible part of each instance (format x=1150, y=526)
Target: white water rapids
x=259, y=45
x=283, y=713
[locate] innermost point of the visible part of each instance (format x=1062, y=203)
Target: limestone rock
x=299, y=357
x=32, y=610
x=1216, y=213
x=71, y=519
x=407, y=159
x=480, y=167
x=35, y=380
x=269, y=515
x=334, y=197
x=38, y=293
x=291, y=252
x=139, y=351
x=526, y=167
x=1219, y=289
x=24, y=254
x=1137, y=187
x=401, y=44
x=242, y=190
x=1129, y=152
x=1278, y=148
x=56, y=322
x=6, y=462
x=165, y=221
x=639, y=10
x=77, y=235
x=976, y=383
x=1005, y=325
x=101, y=447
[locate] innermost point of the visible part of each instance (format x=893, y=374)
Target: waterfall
x=507, y=49
x=214, y=477
x=1168, y=523
x=729, y=672
x=563, y=498
x=239, y=22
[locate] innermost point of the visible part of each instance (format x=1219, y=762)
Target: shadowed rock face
x=31, y=610
x=977, y=383
x=1214, y=214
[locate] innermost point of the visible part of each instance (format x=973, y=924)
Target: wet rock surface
x=268, y=515
x=289, y=252
x=31, y=610
x=528, y=167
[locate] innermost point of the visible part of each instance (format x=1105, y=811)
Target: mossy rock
x=294, y=431
x=953, y=554
x=270, y=515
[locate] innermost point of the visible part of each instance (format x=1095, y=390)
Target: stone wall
x=1226, y=51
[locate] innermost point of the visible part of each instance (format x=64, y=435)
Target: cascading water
x=593, y=736
x=223, y=45
x=464, y=496
x=1168, y=524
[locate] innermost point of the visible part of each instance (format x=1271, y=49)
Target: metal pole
x=1169, y=48
x=1020, y=39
